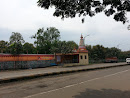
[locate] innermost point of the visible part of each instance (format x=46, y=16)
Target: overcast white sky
x=25, y=17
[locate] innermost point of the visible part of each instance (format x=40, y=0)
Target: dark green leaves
x=45, y=39
x=120, y=17
x=3, y=46
x=16, y=48
x=16, y=38
x=16, y=41
x=69, y=8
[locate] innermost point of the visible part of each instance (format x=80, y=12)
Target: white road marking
x=77, y=84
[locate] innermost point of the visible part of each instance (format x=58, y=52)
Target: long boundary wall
x=25, y=61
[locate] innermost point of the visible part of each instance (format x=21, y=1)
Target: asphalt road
x=106, y=83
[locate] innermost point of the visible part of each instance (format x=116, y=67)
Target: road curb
x=7, y=80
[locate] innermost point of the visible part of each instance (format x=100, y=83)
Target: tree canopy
x=99, y=52
x=16, y=41
x=69, y=8
x=16, y=38
x=16, y=48
x=64, y=47
x=3, y=46
x=29, y=48
x=48, y=42
x=45, y=39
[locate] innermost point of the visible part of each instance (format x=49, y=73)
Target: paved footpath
x=20, y=74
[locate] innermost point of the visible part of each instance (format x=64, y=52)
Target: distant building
x=78, y=57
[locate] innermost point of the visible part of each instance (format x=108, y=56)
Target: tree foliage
x=99, y=52
x=16, y=48
x=28, y=48
x=125, y=54
x=16, y=38
x=45, y=39
x=16, y=41
x=3, y=46
x=69, y=8
x=64, y=47
x=113, y=52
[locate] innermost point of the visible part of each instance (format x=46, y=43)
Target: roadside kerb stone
x=6, y=80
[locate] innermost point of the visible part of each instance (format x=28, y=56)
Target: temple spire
x=82, y=47
x=81, y=36
x=81, y=43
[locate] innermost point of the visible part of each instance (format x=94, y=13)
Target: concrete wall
x=25, y=64
x=82, y=59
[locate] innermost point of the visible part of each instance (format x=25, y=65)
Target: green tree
x=3, y=46
x=16, y=41
x=16, y=38
x=89, y=48
x=72, y=44
x=45, y=39
x=98, y=52
x=64, y=47
x=16, y=48
x=125, y=54
x=113, y=52
x=69, y=8
x=29, y=48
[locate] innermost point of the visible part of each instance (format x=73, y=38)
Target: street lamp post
x=86, y=36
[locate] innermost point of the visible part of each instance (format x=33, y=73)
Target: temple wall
x=83, y=58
